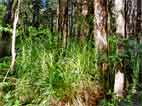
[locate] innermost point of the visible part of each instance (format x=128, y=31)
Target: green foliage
x=44, y=70
x=2, y=12
x=112, y=102
x=6, y=29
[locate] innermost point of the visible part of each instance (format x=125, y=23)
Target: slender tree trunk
x=57, y=16
x=100, y=22
x=63, y=20
x=84, y=25
x=71, y=11
x=78, y=18
x=139, y=19
x=8, y=19
x=52, y=22
x=111, y=18
x=35, y=20
x=90, y=19
x=13, y=52
x=73, y=18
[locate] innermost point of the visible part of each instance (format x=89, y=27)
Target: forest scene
x=70, y=52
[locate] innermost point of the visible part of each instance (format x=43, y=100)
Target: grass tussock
x=44, y=70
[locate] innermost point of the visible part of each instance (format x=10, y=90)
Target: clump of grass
x=45, y=71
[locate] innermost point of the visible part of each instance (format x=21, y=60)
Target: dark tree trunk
x=8, y=18
x=63, y=20
x=71, y=18
x=132, y=14
x=139, y=18
x=36, y=5
x=90, y=19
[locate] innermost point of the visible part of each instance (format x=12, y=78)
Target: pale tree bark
x=100, y=35
x=119, y=6
x=84, y=27
x=120, y=18
x=84, y=7
x=119, y=84
x=13, y=51
x=100, y=7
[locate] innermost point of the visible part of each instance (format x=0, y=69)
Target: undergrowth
x=47, y=74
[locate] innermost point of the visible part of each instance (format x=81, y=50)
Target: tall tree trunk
x=139, y=18
x=63, y=20
x=71, y=11
x=35, y=20
x=90, y=19
x=57, y=16
x=111, y=18
x=131, y=16
x=100, y=34
x=8, y=19
x=120, y=16
x=100, y=7
x=13, y=52
x=84, y=29
x=6, y=35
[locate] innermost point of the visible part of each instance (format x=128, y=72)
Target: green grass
x=45, y=71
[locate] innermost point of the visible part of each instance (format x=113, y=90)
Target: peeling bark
x=119, y=84
x=119, y=6
x=85, y=8
x=100, y=7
